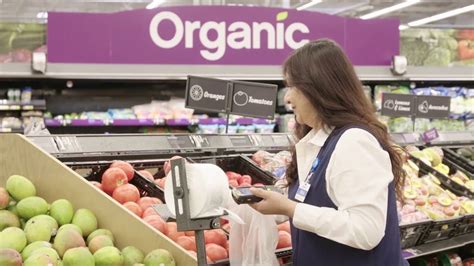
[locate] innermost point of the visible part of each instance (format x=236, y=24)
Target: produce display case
x=89, y=155
x=240, y=164
x=441, y=230
x=411, y=234
x=92, y=171
x=54, y=180
x=459, y=161
x=445, y=180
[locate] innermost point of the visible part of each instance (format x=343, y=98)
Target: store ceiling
x=30, y=10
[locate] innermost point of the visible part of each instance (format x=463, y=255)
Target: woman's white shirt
x=357, y=180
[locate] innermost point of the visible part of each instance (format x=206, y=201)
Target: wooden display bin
x=54, y=180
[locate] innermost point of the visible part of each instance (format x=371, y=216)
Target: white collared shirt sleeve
x=357, y=179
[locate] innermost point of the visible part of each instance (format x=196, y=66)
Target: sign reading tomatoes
x=253, y=99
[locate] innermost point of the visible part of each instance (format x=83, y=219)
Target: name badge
x=302, y=192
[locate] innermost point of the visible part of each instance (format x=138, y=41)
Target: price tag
x=240, y=141
x=15, y=107
x=281, y=140
x=180, y=142
x=28, y=107
x=5, y=130
x=430, y=135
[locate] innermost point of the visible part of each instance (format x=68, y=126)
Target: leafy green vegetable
x=438, y=57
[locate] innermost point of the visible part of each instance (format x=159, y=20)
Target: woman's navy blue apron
x=311, y=249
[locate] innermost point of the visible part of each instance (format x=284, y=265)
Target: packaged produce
x=273, y=163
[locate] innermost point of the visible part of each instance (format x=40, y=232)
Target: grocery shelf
x=147, y=122
x=157, y=144
x=246, y=72
x=417, y=251
x=439, y=246
x=23, y=106
x=444, y=139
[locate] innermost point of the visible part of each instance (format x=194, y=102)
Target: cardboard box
x=54, y=180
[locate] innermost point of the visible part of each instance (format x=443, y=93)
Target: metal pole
x=227, y=124
x=201, y=248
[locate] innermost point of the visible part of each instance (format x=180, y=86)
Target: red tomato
x=189, y=233
x=173, y=231
x=160, y=182
x=149, y=211
x=216, y=252
x=187, y=242
x=284, y=227
x=125, y=193
x=226, y=227
x=245, y=179
x=215, y=236
x=233, y=183
x=132, y=206
x=126, y=167
x=146, y=175
x=167, y=165
x=146, y=202
x=232, y=175
x=113, y=178
x=284, y=240
x=97, y=184
x=157, y=223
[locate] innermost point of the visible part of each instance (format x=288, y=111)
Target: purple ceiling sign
x=218, y=35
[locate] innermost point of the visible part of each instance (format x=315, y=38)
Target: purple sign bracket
x=219, y=35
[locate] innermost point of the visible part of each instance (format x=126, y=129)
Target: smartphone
x=242, y=195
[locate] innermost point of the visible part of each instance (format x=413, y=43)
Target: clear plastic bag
x=254, y=242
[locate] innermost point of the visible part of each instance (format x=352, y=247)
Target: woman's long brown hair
x=323, y=73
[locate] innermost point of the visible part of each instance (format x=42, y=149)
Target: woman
x=345, y=173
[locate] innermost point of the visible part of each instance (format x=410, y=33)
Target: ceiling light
x=389, y=9
x=441, y=16
x=155, y=4
x=403, y=27
x=42, y=15
x=310, y=4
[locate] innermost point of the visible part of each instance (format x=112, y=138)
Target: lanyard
x=312, y=170
x=303, y=189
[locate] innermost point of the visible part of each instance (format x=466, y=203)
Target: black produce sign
x=394, y=104
x=253, y=99
x=433, y=106
x=234, y=97
x=207, y=94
